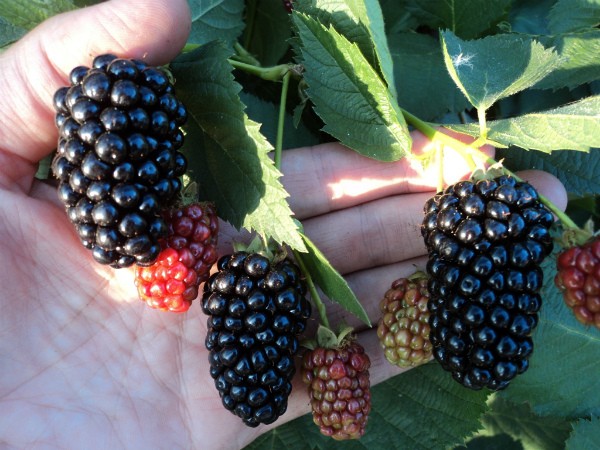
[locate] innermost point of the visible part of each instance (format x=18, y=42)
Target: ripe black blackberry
x=485, y=241
x=256, y=312
x=117, y=159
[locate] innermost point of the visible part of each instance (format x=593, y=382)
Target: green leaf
x=579, y=59
x=529, y=17
x=495, y=67
x=518, y=421
x=216, y=19
x=573, y=15
x=421, y=409
x=27, y=14
x=227, y=153
x=468, y=19
x=562, y=379
x=496, y=442
x=266, y=113
x=585, y=436
x=579, y=172
x=571, y=127
x=355, y=104
x=397, y=19
x=421, y=76
x=269, y=32
x=9, y=33
x=333, y=285
x=359, y=21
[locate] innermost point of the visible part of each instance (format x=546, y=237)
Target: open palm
x=84, y=363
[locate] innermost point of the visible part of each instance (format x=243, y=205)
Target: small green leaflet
x=518, y=421
x=562, y=379
x=9, y=33
x=269, y=34
x=361, y=22
x=28, y=13
x=228, y=155
x=216, y=19
x=579, y=59
x=466, y=18
x=355, y=104
x=330, y=281
x=573, y=15
x=572, y=127
x=495, y=67
x=418, y=62
x=585, y=435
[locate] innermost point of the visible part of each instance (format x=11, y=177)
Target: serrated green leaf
x=355, y=104
x=361, y=22
x=468, y=19
x=529, y=17
x=562, y=379
x=269, y=32
x=421, y=76
x=421, y=409
x=27, y=14
x=9, y=33
x=216, y=19
x=495, y=67
x=579, y=59
x=585, y=435
x=519, y=422
x=573, y=15
x=333, y=285
x=227, y=153
x=579, y=172
x=571, y=127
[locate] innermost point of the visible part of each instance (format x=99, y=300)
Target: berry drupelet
x=578, y=278
x=486, y=241
x=117, y=159
x=256, y=309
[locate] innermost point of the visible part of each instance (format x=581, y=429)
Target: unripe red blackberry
x=578, y=277
x=187, y=255
x=403, y=330
x=117, y=159
x=486, y=241
x=256, y=309
x=339, y=387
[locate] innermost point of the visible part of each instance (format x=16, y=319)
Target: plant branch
x=316, y=298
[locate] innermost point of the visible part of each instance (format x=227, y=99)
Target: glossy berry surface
x=485, y=241
x=256, y=310
x=403, y=330
x=578, y=277
x=339, y=389
x=119, y=134
x=187, y=255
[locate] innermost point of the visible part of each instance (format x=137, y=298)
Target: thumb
x=37, y=65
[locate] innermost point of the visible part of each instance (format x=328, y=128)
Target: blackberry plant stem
x=469, y=151
x=281, y=120
x=313, y=291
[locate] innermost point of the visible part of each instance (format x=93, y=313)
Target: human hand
x=88, y=365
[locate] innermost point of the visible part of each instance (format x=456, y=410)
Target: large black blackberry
x=117, y=160
x=485, y=241
x=256, y=312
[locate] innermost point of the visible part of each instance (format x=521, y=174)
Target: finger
x=387, y=230
x=37, y=65
x=335, y=177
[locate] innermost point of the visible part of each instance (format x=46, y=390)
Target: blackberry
x=117, y=159
x=486, y=241
x=256, y=311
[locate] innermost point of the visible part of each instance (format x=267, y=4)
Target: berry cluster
x=578, y=277
x=171, y=283
x=117, y=160
x=339, y=389
x=403, y=330
x=485, y=241
x=256, y=312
